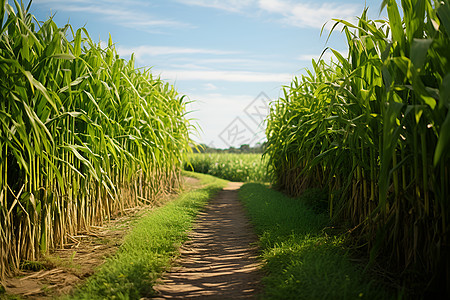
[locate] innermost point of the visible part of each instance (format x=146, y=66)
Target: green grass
x=300, y=260
x=242, y=167
x=150, y=247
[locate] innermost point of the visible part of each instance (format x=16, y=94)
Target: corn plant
x=83, y=135
x=374, y=127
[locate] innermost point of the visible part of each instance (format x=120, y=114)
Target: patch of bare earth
x=64, y=268
x=220, y=259
x=68, y=267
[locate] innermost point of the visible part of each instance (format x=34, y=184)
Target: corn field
x=243, y=167
x=83, y=135
x=374, y=128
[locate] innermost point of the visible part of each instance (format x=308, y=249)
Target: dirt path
x=220, y=260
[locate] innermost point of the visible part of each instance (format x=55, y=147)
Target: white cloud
x=210, y=87
x=275, y=6
x=125, y=13
x=228, y=5
x=304, y=14
x=240, y=61
x=228, y=61
x=307, y=14
x=189, y=66
x=146, y=50
x=184, y=64
x=220, y=75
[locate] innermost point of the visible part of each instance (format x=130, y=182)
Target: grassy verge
x=301, y=261
x=150, y=247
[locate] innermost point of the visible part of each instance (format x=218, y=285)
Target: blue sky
x=231, y=57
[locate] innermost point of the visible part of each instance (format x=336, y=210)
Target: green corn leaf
x=34, y=84
x=31, y=35
x=396, y=24
x=384, y=3
x=77, y=43
x=82, y=159
x=19, y=9
x=30, y=78
x=65, y=56
x=71, y=167
x=419, y=51
x=25, y=48
x=443, y=12
x=341, y=59
x=443, y=141
x=73, y=83
x=414, y=14
x=419, y=88
x=38, y=125
x=2, y=11
x=444, y=93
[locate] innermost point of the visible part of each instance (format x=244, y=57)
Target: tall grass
x=83, y=134
x=374, y=129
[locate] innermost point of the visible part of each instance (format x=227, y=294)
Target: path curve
x=219, y=261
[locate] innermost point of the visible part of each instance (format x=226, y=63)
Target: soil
x=220, y=259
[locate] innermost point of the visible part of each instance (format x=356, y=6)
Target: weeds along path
x=220, y=259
